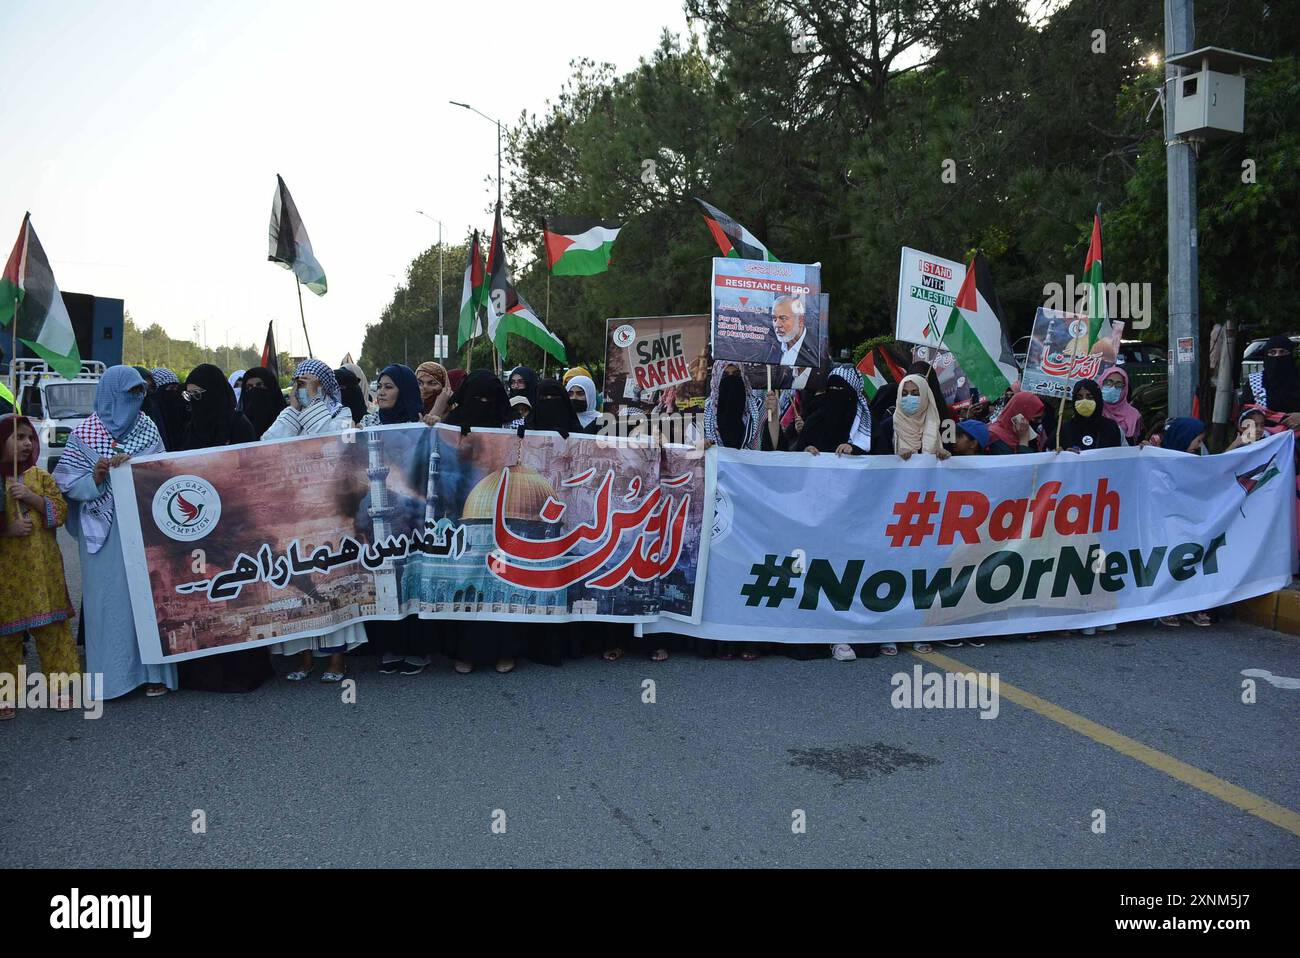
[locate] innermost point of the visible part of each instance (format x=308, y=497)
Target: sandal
x=924, y=648
x=976, y=643
x=953, y=643
x=888, y=648
x=1199, y=618
x=154, y=691
x=1170, y=620
x=659, y=655
x=297, y=675
x=612, y=655
x=505, y=666
x=463, y=668
x=332, y=678
x=749, y=656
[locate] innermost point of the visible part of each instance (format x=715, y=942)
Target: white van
x=55, y=405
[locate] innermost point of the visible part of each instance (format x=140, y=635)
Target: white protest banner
x=927, y=289
x=873, y=549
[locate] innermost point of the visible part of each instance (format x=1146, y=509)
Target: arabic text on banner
x=1059, y=355
x=869, y=549
x=254, y=544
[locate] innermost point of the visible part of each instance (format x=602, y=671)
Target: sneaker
x=390, y=666
x=413, y=666
x=843, y=653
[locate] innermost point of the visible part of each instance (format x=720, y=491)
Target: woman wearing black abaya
x=261, y=401
x=481, y=402
x=351, y=393
x=214, y=422
x=1088, y=429
x=882, y=419
x=1277, y=387
x=839, y=420
x=214, y=419
x=553, y=410
x=172, y=409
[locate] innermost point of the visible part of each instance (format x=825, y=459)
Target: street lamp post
x=440, y=330
x=466, y=106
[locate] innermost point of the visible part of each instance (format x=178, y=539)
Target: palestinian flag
x=976, y=334
x=891, y=363
x=471, y=296
x=498, y=278
x=30, y=298
x=578, y=247
x=270, y=358
x=732, y=238
x=872, y=379
x=1096, y=291
x=1250, y=481
x=290, y=246
x=520, y=320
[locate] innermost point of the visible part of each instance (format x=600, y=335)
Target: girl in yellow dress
x=33, y=592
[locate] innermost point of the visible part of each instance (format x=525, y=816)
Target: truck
x=54, y=405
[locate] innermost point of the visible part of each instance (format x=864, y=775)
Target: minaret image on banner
x=381, y=512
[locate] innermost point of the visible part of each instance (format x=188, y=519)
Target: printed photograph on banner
x=1060, y=353
x=767, y=313
x=655, y=359
x=927, y=289
x=260, y=543
x=957, y=388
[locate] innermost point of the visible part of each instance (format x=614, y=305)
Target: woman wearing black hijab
x=480, y=401
x=260, y=400
x=553, y=410
x=1277, y=387
x=350, y=389
x=1088, y=429
x=214, y=422
x=523, y=382
x=213, y=419
x=882, y=419
x=839, y=418
x=172, y=409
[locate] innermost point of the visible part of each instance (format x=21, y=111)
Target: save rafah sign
x=646, y=354
x=927, y=289
x=873, y=549
x=258, y=543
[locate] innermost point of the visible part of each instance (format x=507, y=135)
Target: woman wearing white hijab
x=583, y=393
x=916, y=420
x=316, y=408
x=236, y=381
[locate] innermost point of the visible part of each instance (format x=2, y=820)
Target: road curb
x=1279, y=611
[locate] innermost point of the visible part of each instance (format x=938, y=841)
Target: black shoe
x=411, y=668
x=390, y=668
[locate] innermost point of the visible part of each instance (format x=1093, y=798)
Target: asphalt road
x=583, y=772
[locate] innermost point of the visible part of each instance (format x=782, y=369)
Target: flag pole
x=304, y=316
x=548, y=318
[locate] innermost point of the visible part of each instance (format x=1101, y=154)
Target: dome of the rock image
x=527, y=493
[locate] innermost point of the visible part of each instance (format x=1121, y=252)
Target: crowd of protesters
x=138, y=412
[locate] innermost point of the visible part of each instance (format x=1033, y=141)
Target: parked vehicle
x=1147, y=364
x=55, y=405
x=1252, y=360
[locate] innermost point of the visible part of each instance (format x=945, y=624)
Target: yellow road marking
x=1247, y=801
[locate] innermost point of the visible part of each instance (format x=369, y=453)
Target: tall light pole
x=440, y=333
x=1180, y=168
x=466, y=106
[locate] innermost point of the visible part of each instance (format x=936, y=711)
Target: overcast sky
x=145, y=137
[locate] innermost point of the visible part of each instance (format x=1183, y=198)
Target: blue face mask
x=304, y=398
x=1111, y=394
x=910, y=404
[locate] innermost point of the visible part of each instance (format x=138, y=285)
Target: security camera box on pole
x=1208, y=100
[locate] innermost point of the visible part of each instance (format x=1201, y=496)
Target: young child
x=33, y=592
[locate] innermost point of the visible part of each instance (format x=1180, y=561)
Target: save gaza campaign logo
x=186, y=508
x=624, y=335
